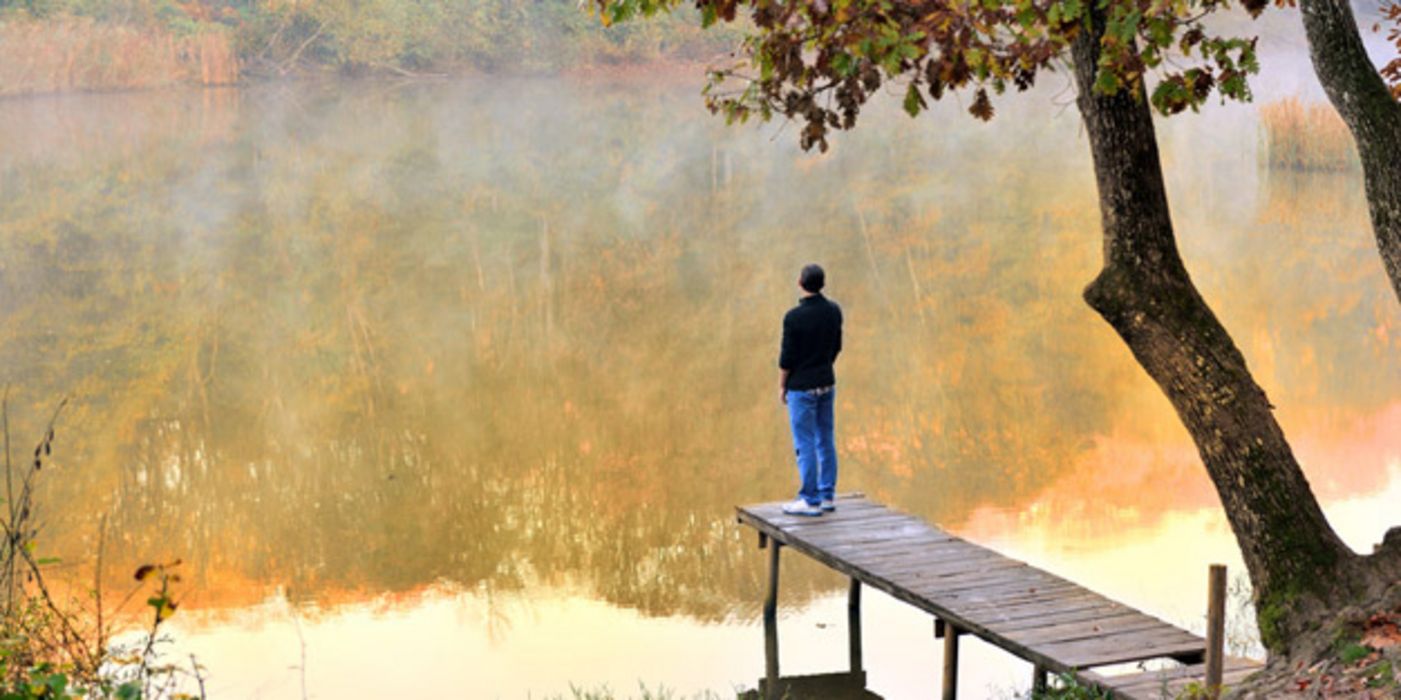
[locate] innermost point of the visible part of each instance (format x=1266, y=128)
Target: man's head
x=812, y=278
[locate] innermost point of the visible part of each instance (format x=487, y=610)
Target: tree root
x=1351, y=654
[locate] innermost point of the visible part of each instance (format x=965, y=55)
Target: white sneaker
x=828, y=505
x=801, y=507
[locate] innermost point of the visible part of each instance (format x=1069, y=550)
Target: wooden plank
x=1068, y=602
x=1025, y=588
x=1121, y=648
x=1165, y=634
x=1151, y=684
x=847, y=514
x=1089, y=629
x=1102, y=617
x=952, y=583
x=1109, y=657
x=862, y=531
x=1154, y=688
x=773, y=513
x=1060, y=616
x=786, y=521
x=858, y=538
x=1064, y=609
x=977, y=600
x=874, y=544
x=947, y=583
x=950, y=571
x=1009, y=570
x=775, y=509
x=950, y=561
x=928, y=547
x=859, y=532
x=852, y=536
x=893, y=558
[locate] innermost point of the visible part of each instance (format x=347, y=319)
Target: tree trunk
x=1297, y=564
x=1371, y=113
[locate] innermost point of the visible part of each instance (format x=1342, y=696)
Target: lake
x=452, y=387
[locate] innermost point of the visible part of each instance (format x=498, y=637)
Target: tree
x=818, y=62
x=1370, y=110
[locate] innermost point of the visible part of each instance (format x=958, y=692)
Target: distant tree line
x=276, y=37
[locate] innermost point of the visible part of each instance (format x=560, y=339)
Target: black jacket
x=812, y=338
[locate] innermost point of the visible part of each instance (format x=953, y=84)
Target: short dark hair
x=812, y=278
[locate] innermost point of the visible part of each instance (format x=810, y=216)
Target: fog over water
x=443, y=380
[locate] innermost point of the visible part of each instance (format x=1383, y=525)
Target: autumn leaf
x=1381, y=633
x=982, y=106
x=914, y=102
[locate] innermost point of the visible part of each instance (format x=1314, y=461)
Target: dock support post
x=950, y=662
x=771, y=601
x=853, y=622
x=1040, y=680
x=1215, y=629
x=771, y=677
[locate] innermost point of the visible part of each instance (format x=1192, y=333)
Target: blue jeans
x=811, y=420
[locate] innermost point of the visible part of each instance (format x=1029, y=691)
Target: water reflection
x=844, y=685
x=355, y=342
x=850, y=685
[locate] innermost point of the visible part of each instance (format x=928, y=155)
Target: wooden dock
x=1058, y=626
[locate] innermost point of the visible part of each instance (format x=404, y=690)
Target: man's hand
x=783, y=396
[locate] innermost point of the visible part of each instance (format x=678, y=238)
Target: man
x=812, y=338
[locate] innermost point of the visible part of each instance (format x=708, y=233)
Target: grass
x=1307, y=137
x=1065, y=686
x=1381, y=675
x=64, y=54
x=1352, y=653
x=644, y=692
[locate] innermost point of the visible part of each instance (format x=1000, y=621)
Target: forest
x=60, y=45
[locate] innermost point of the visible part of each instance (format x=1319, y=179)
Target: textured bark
x=1371, y=113
x=1295, y=560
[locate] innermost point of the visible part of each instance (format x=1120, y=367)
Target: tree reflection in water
x=369, y=339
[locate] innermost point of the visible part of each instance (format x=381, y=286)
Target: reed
x=77, y=53
x=1306, y=137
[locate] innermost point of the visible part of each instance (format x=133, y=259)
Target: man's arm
x=838, y=349
x=785, y=361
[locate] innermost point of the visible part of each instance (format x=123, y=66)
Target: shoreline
x=664, y=71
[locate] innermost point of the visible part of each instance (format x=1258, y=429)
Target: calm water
x=454, y=386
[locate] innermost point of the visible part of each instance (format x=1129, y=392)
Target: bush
x=55, y=649
x=1307, y=137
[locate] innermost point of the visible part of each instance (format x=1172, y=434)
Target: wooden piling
x=772, y=683
x=853, y=622
x=771, y=601
x=1215, y=629
x=950, y=662
x=1040, y=680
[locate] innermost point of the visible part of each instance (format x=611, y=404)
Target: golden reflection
x=353, y=344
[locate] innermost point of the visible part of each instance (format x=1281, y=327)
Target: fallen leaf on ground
x=1381, y=636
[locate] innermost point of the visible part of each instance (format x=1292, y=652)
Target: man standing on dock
x=812, y=338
